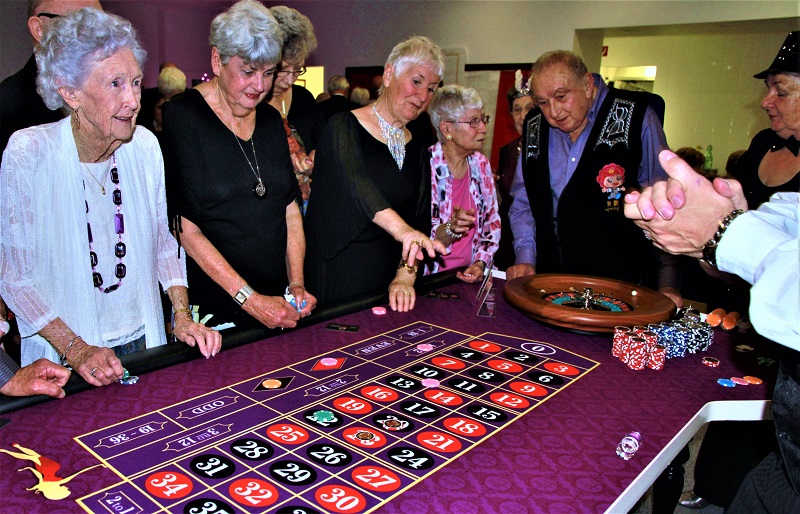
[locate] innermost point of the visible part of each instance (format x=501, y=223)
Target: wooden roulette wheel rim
x=526, y=294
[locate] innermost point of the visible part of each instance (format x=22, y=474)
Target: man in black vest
x=583, y=147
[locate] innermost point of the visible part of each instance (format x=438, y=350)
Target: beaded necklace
x=395, y=138
x=119, y=227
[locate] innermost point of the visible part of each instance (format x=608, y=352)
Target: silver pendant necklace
x=260, y=189
x=395, y=138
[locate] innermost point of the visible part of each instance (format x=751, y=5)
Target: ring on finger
x=93, y=371
x=646, y=234
x=416, y=243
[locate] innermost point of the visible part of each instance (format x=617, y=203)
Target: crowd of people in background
x=211, y=187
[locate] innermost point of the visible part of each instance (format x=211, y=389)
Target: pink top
x=484, y=240
x=461, y=250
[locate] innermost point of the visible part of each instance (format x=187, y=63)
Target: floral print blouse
x=487, y=234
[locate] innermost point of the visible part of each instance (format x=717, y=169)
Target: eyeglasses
x=48, y=15
x=296, y=72
x=476, y=122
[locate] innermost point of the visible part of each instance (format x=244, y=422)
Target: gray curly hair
x=450, y=103
x=249, y=31
x=73, y=44
x=298, y=33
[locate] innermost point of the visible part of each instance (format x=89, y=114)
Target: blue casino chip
x=726, y=382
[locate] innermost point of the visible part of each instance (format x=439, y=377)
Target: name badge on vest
x=611, y=179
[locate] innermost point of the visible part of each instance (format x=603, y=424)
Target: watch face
x=240, y=297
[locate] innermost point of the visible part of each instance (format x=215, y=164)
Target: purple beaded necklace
x=119, y=228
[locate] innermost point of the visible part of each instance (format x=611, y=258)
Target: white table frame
x=742, y=410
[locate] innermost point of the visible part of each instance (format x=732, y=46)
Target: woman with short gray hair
x=83, y=213
x=370, y=210
x=248, y=31
x=233, y=193
x=464, y=213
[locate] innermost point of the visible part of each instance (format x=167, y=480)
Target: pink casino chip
x=380, y=311
x=430, y=382
x=328, y=361
x=424, y=347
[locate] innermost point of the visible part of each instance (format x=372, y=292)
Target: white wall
x=707, y=81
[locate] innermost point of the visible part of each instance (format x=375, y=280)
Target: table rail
x=743, y=410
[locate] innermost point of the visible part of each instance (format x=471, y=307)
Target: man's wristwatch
x=243, y=294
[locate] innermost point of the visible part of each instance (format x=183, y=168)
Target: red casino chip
x=711, y=362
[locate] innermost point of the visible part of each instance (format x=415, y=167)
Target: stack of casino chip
x=661, y=341
x=638, y=347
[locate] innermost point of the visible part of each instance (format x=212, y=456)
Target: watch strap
x=243, y=294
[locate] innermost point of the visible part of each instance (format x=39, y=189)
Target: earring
x=76, y=118
x=448, y=137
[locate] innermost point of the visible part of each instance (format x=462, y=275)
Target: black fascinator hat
x=788, y=58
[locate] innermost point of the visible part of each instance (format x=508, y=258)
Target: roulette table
x=435, y=410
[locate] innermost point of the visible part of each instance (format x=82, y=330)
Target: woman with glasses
x=301, y=115
x=464, y=213
x=368, y=218
x=232, y=191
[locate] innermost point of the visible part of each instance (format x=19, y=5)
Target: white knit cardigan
x=44, y=253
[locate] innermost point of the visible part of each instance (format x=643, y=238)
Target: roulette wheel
x=587, y=304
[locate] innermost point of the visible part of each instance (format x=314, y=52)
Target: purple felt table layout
x=246, y=436
x=555, y=454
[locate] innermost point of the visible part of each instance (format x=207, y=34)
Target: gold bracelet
x=410, y=269
x=180, y=311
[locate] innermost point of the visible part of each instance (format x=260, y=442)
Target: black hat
x=787, y=59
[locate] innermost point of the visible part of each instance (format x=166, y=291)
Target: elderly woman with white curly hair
x=83, y=211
